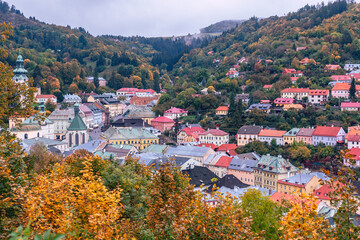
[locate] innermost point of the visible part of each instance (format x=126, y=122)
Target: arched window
x=38, y=134
x=26, y=136
x=83, y=138
x=70, y=139
x=77, y=139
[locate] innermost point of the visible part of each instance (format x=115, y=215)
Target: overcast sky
x=151, y=17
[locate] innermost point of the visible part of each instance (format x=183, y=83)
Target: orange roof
x=326, y=131
x=210, y=145
x=323, y=192
x=45, y=96
x=295, y=90
x=278, y=197
x=224, y=161
x=294, y=106
x=223, y=108
x=271, y=133
x=317, y=92
x=268, y=86
x=341, y=86
x=225, y=147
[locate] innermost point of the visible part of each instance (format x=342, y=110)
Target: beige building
x=295, y=93
x=247, y=134
x=214, y=136
x=301, y=183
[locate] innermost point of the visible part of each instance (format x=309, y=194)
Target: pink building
x=283, y=101
x=174, y=113
x=242, y=167
x=162, y=123
x=305, y=135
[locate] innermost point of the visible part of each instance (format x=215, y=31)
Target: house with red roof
x=356, y=76
x=323, y=193
x=42, y=99
x=283, y=101
x=162, y=123
x=214, y=136
x=267, y=86
x=174, y=113
x=229, y=149
x=331, y=68
x=208, y=145
x=353, y=140
x=232, y=74
x=342, y=90
x=218, y=164
x=267, y=135
x=328, y=135
x=292, y=72
x=280, y=197
x=222, y=111
x=295, y=93
x=189, y=134
x=300, y=48
x=354, y=153
x=339, y=79
x=318, y=96
x=293, y=80
x=306, y=61
x=350, y=106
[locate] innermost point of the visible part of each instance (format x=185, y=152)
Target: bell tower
x=20, y=72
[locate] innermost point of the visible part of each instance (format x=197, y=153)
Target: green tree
x=352, y=91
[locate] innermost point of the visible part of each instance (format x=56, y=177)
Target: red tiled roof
x=323, y=192
x=210, y=145
x=341, y=86
x=289, y=71
x=271, y=133
x=231, y=73
x=225, y=147
x=355, y=75
x=45, y=96
x=354, y=138
x=278, y=197
x=340, y=77
x=295, y=90
x=193, y=129
x=317, y=92
x=355, y=152
x=293, y=79
x=127, y=90
x=326, y=131
x=268, y=86
x=175, y=110
x=350, y=105
x=163, y=120
x=223, y=108
x=224, y=161
x=214, y=132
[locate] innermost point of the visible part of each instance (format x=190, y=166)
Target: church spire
x=20, y=71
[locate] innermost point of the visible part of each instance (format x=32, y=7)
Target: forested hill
x=221, y=26
x=329, y=34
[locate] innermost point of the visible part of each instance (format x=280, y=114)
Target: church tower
x=77, y=131
x=20, y=72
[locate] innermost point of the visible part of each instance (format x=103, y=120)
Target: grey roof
x=292, y=132
x=260, y=106
x=72, y=97
x=200, y=175
x=249, y=129
x=90, y=146
x=188, y=125
x=187, y=151
x=305, y=132
x=229, y=181
x=243, y=164
x=127, y=122
x=46, y=141
x=94, y=108
x=156, y=159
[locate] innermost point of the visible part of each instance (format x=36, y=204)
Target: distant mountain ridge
x=221, y=26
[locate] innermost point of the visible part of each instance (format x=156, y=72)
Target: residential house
x=219, y=164
x=353, y=140
x=200, y=154
x=247, y=134
x=222, y=111
x=92, y=146
x=328, y=135
x=242, y=167
x=102, y=81
x=295, y=93
x=355, y=75
x=331, y=68
x=341, y=90
x=215, y=136
x=140, y=138
x=292, y=72
x=351, y=67
x=42, y=99
x=354, y=130
x=77, y=131
x=228, y=149
x=355, y=156
x=156, y=148
x=290, y=136
x=114, y=106
x=116, y=152
x=305, y=135
x=267, y=135
x=232, y=74
x=189, y=134
x=162, y=123
x=350, y=106
x=88, y=115
x=97, y=114
x=127, y=92
x=306, y=183
x=174, y=113
x=293, y=80
x=323, y=194
x=301, y=48
x=339, y=79
x=260, y=107
x=72, y=99
x=143, y=100
x=267, y=86
x=306, y=61
x=143, y=112
x=283, y=101
x=295, y=106
x=269, y=170
x=318, y=96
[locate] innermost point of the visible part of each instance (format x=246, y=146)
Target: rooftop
x=249, y=129
x=187, y=151
x=214, y=132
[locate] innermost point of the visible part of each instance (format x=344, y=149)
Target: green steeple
x=20, y=66
x=77, y=124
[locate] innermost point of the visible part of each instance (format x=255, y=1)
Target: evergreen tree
x=232, y=107
x=352, y=91
x=96, y=78
x=156, y=81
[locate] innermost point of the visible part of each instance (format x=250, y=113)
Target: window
x=26, y=136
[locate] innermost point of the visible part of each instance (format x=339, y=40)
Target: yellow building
x=301, y=183
x=138, y=137
x=290, y=136
x=222, y=111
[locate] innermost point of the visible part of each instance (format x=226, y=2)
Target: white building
x=214, y=136
x=317, y=96
x=62, y=119
x=41, y=99
x=174, y=113
x=352, y=67
x=72, y=99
